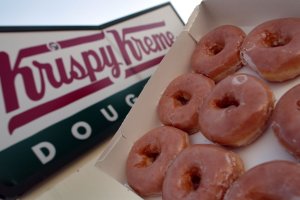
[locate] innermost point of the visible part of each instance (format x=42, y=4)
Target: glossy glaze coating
x=286, y=120
x=202, y=172
x=150, y=157
x=272, y=49
x=237, y=110
x=217, y=54
x=179, y=104
x=274, y=180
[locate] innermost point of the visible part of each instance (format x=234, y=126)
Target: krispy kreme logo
x=112, y=55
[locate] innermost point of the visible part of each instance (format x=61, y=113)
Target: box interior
x=143, y=116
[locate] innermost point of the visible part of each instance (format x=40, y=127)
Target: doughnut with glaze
x=272, y=49
x=237, y=110
x=286, y=120
x=150, y=157
x=217, y=54
x=180, y=102
x=201, y=171
x=274, y=180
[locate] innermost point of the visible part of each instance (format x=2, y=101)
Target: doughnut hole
x=149, y=155
x=181, y=98
x=274, y=39
x=298, y=105
x=226, y=102
x=192, y=179
x=214, y=48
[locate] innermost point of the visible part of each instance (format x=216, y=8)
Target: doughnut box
x=143, y=116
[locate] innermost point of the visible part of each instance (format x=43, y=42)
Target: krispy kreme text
x=98, y=67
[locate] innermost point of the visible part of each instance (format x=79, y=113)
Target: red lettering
x=8, y=83
x=89, y=65
x=132, y=47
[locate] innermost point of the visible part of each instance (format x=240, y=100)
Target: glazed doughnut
x=274, y=180
x=237, y=110
x=201, y=171
x=150, y=156
x=217, y=54
x=180, y=102
x=272, y=49
x=286, y=120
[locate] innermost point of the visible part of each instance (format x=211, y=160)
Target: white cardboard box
x=143, y=117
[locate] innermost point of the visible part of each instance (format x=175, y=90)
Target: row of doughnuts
x=225, y=113
x=217, y=102
x=271, y=49
x=163, y=161
x=203, y=171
